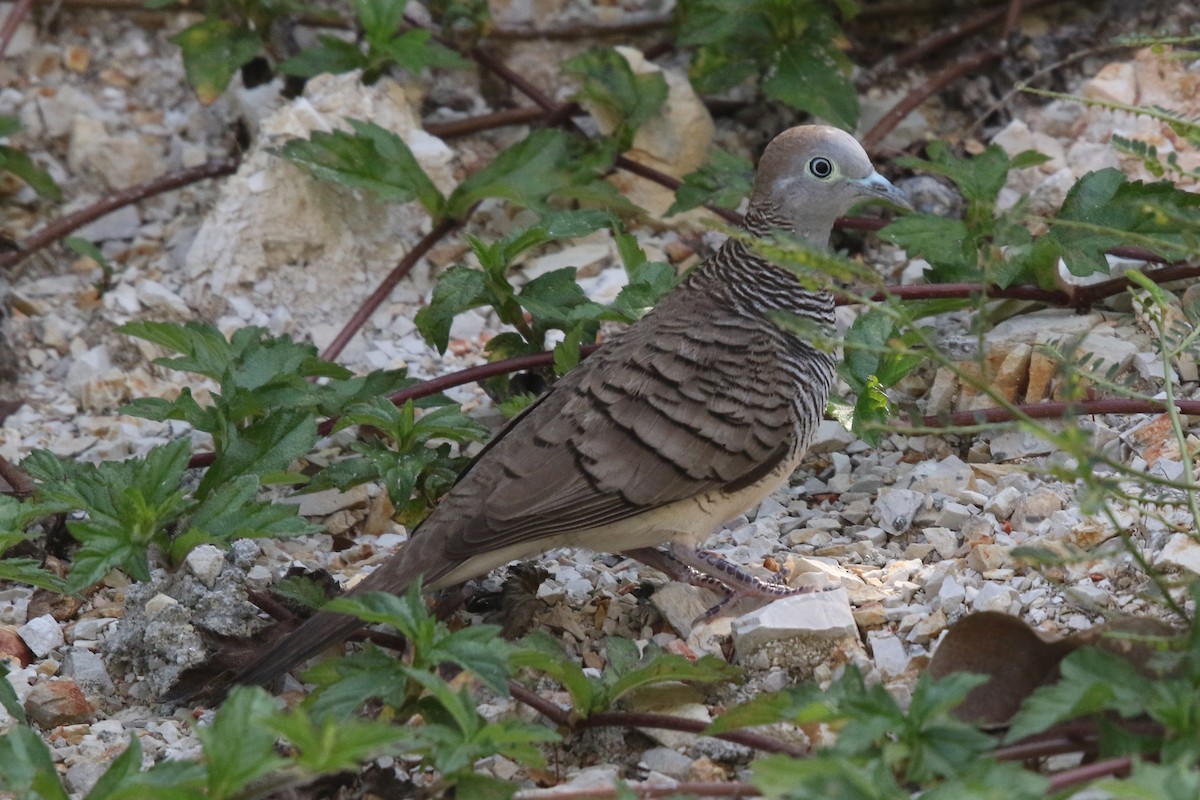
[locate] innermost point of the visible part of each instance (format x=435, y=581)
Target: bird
x=676, y=425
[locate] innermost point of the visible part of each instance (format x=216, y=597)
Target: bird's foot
x=708, y=570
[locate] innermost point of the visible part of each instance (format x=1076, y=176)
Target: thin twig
x=632, y=719
x=384, y=290
x=484, y=122
x=923, y=92
x=16, y=15
x=22, y=485
x=1052, y=410
x=1012, y=18
x=64, y=225
x=1112, y=767
x=643, y=790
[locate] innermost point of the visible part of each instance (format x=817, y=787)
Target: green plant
x=384, y=46
x=790, y=46
x=18, y=163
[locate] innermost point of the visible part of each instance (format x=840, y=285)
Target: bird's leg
x=708, y=570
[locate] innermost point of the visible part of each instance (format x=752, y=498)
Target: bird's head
x=812, y=174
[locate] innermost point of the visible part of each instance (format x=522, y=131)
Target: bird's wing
x=668, y=411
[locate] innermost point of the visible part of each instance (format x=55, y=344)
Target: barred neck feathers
x=807, y=177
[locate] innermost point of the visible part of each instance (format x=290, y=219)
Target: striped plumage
x=680, y=423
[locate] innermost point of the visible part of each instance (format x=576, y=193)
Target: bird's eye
x=820, y=167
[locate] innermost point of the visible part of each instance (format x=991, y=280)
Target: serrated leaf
x=213, y=50
x=372, y=158
x=1104, y=209
x=332, y=55
x=947, y=244
x=238, y=747
x=28, y=766
x=327, y=744
x=458, y=289
x=545, y=163
x=266, y=445
x=21, y=165
x=1090, y=681
x=623, y=99
x=809, y=75
x=979, y=178
x=723, y=181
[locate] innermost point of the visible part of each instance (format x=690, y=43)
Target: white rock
x=1003, y=503
x=950, y=475
x=88, y=671
x=1114, y=83
x=831, y=436
x=583, y=257
x=896, y=508
x=1013, y=445
x=86, y=368
x=205, y=562
x=155, y=605
x=953, y=515
x=124, y=223
x=889, y=653
x=1149, y=366
x=944, y=540
x=822, y=615
x=996, y=597
x=42, y=634
x=156, y=297
x=329, y=501
x=950, y=594
x=1183, y=551
x=90, y=629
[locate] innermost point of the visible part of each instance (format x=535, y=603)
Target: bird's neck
x=754, y=285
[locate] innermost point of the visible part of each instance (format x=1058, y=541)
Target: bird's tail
x=323, y=629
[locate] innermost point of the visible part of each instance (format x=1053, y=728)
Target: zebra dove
x=686, y=419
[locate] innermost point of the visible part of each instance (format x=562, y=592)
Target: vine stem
x=67, y=223
x=633, y=719
x=385, y=287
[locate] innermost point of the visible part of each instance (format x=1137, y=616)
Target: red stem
x=381, y=293
x=119, y=199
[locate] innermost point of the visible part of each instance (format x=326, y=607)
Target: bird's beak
x=878, y=187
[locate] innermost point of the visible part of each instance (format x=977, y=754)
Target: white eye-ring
x=821, y=167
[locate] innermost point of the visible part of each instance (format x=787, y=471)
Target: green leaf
x=476, y=648
x=723, y=181
x=980, y=178
x=372, y=158
x=1176, y=780
x=231, y=512
x=623, y=99
x=28, y=766
x=30, y=571
x=809, y=75
x=947, y=244
x=327, y=744
x=206, y=351
x=8, y=696
x=1104, y=209
x=332, y=55
x=872, y=409
x=213, y=50
x=825, y=775
x=539, y=651
x=1091, y=681
x=457, y=290
x=21, y=165
x=266, y=445
x=238, y=746
x=415, y=50
x=548, y=162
